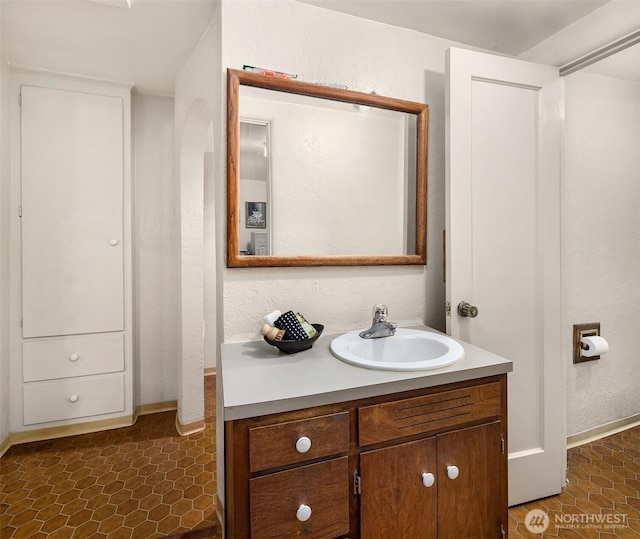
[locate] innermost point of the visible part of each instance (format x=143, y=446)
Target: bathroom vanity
x=315, y=447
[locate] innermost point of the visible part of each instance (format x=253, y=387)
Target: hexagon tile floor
x=147, y=482
x=143, y=481
x=601, y=501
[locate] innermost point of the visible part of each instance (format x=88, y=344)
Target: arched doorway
x=197, y=274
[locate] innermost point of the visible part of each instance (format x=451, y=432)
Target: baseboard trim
x=5, y=445
x=157, y=407
x=603, y=431
x=50, y=433
x=189, y=428
x=220, y=513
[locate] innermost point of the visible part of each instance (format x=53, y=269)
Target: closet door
x=72, y=213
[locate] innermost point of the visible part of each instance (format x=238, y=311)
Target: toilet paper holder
x=579, y=332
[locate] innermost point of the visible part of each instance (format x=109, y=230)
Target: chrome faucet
x=379, y=327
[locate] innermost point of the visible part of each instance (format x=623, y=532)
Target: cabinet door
x=72, y=213
x=394, y=501
x=473, y=504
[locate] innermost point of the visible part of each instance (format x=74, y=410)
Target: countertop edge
x=482, y=364
x=232, y=413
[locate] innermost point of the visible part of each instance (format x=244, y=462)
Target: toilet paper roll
x=595, y=346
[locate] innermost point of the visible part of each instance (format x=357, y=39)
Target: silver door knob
x=467, y=310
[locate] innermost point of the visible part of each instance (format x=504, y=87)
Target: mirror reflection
x=325, y=181
x=254, y=188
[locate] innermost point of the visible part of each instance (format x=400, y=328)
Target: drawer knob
x=74, y=357
x=303, y=513
x=113, y=242
x=73, y=398
x=453, y=472
x=303, y=445
x=428, y=479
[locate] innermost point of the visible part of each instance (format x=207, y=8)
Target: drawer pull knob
x=303, y=513
x=453, y=472
x=113, y=242
x=73, y=398
x=303, y=445
x=74, y=357
x=428, y=479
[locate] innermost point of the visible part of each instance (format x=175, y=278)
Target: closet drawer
x=292, y=442
x=53, y=359
x=422, y=415
x=70, y=399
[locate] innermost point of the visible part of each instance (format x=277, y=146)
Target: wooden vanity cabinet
x=429, y=463
x=399, y=499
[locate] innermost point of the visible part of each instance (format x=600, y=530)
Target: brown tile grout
x=143, y=481
x=602, y=497
x=146, y=481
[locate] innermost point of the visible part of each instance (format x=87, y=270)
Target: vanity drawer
x=407, y=417
x=52, y=359
x=275, y=501
x=73, y=398
x=283, y=444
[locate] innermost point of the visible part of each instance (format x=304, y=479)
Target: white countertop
x=257, y=379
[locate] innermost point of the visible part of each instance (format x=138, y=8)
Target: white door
x=72, y=212
x=503, y=246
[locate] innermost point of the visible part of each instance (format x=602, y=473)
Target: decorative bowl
x=293, y=347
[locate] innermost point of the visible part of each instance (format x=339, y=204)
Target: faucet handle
x=380, y=312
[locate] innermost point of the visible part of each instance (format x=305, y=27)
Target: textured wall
x=601, y=249
x=364, y=55
x=197, y=105
x=156, y=267
x=4, y=243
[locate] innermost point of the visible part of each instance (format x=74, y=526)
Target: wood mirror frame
x=235, y=78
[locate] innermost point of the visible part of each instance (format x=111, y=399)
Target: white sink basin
x=407, y=350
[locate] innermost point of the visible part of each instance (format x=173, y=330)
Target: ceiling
x=505, y=26
x=622, y=65
x=145, y=45
x=148, y=43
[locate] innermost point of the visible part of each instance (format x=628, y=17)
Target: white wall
x=363, y=55
x=5, y=113
x=156, y=267
x=198, y=99
x=601, y=245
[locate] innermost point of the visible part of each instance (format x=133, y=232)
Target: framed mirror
x=322, y=176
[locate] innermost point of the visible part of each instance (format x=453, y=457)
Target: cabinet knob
x=73, y=398
x=303, y=513
x=113, y=243
x=428, y=479
x=74, y=357
x=303, y=445
x=453, y=472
